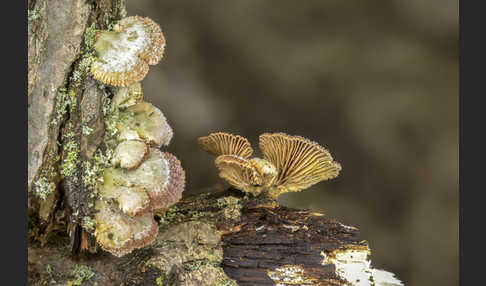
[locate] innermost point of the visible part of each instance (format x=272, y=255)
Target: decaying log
x=215, y=238
x=223, y=238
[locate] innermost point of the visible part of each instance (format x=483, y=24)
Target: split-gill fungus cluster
x=141, y=180
x=290, y=164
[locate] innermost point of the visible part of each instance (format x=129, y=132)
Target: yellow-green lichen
x=231, y=207
x=195, y=214
x=89, y=223
x=36, y=13
x=71, y=159
x=193, y=265
x=93, y=171
x=49, y=279
x=90, y=36
x=81, y=274
x=159, y=281
x=43, y=188
x=84, y=65
x=169, y=216
x=87, y=57
x=111, y=115
x=87, y=130
x=65, y=100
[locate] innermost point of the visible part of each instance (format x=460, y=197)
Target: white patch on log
x=354, y=266
x=385, y=278
x=289, y=275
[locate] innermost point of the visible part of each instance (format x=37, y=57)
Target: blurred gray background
x=376, y=82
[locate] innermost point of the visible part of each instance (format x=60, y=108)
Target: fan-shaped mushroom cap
x=300, y=162
x=240, y=173
x=161, y=175
x=119, y=233
x=221, y=143
x=129, y=154
x=145, y=122
x=128, y=96
x=123, y=55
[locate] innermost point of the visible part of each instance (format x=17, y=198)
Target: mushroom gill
x=300, y=163
x=239, y=172
x=290, y=163
x=221, y=143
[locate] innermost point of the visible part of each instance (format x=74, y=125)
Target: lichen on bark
x=59, y=37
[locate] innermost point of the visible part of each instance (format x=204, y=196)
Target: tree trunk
x=216, y=238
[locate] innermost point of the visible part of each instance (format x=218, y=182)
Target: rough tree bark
x=215, y=238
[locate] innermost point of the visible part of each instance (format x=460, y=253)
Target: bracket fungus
x=145, y=122
x=125, y=53
x=129, y=154
x=131, y=197
x=128, y=96
x=141, y=181
x=118, y=233
x=289, y=164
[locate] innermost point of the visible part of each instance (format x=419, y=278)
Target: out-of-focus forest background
x=376, y=82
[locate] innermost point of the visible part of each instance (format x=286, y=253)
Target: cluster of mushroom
x=142, y=180
x=290, y=164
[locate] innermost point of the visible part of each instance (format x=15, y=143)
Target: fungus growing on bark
x=145, y=122
x=160, y=175
x=132, y=201
x=129, y=154
x=123, y=55
x=128, y=96
x=119, y=233
x=129, y=199
x=290, y=164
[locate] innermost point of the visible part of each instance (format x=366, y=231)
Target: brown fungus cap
x=123, y=55
x=119, y=233
x=145, y=122
x=221, y=143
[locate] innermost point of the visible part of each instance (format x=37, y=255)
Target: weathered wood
x=271, y=238
x=219, y=239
